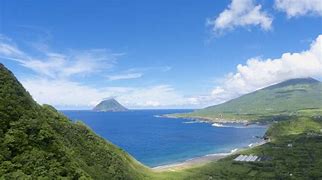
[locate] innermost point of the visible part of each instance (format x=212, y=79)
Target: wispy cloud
x=53, y=85
x=166, y=68
x=241, y=13
x=58, y=65
x=151, y=69
x=135, y=73
x=54, y=82
x=9, y=50
x=124, y=76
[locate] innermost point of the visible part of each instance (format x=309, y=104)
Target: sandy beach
x=198, y=161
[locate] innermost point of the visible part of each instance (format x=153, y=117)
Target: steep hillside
x=37, y=142
x=109, y=105
x=292, y=97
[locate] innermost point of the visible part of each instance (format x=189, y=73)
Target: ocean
x=156, y=141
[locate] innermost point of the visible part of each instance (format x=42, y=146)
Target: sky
x=157, y=54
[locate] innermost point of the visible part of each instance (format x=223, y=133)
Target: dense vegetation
x=289, y=98
x=37, y=141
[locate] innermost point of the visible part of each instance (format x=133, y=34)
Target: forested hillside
x=38, y=141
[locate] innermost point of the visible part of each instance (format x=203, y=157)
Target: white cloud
x=124, y=76
x=66, y=94
x=258, y=73
x=69, y=94
x=295, y=8
x=241, y=13
x=155, y=96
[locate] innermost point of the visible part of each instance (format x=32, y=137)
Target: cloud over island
x=258, y=73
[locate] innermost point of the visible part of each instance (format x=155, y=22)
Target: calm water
x=157, y=141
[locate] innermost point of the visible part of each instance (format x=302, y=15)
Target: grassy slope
x=37, y=141
x=302, y=161
x=291, y=97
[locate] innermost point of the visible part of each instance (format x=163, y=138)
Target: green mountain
x=109, y=105
x=39, y=142
x=291, y=97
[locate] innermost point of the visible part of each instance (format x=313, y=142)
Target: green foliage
x=294, y=127
x=39, y=142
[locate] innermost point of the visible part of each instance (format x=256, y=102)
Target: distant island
x=109, y=105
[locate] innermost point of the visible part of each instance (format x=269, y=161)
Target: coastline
x=214, y=121
x=202, y=160
x=207, y=119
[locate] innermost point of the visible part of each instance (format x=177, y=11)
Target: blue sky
x=157, y=54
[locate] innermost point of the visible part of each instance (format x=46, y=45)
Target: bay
x=156, y=141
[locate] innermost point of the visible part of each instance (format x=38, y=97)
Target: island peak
x=109, y=105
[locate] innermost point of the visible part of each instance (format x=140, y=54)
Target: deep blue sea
x=156, y=141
